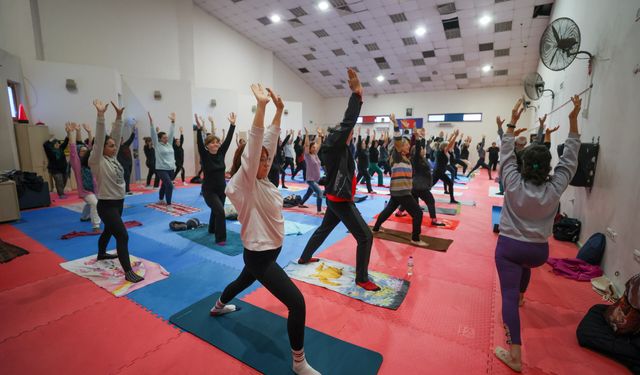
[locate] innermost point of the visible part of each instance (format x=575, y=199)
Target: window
x=13, y=98
x=455, y=117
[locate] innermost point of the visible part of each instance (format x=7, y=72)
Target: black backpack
x=291, y=201
x=593, y=250
x=567, y=229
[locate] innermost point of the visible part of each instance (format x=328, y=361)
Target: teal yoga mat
x=202, y=236
x=259, y=339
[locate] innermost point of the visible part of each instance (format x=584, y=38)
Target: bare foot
x=506, y=358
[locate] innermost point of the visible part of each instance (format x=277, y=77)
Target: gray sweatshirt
x=107, y=171
x=529, y=210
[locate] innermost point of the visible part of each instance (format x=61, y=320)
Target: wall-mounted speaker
x=157, y=95
x=71, y=85
x=213, y=103
x=286, y=112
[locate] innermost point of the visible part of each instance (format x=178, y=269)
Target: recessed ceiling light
x=485, y=20
x=323, y=5
x=420, y=31
x=486, y=68
x=380, y=78
x=275, y=18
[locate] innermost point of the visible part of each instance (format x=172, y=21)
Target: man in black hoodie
x=57, y=163
x=340, y=190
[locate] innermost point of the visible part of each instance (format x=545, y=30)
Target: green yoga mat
x=445, y=210
x=259, y=339
x=202, y=236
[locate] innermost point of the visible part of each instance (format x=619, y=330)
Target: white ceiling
x=409, y=70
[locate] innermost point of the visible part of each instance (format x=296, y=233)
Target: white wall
x=614, y=200
x=16, y=30
x=10, y=69
x=492, y=102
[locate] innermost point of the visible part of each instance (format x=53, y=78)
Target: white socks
x=220, y=309
x=300, y=364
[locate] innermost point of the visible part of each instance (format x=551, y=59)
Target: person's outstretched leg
x=386, y=212
x=412, y=207
x=242, y=282
x=478, y=165
x=314, y=185
x=329, y=222
x=367, y=180
x=447, y=181
x=307, y=194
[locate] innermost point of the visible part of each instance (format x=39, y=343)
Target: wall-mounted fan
x=560, y=44
x=534, y=86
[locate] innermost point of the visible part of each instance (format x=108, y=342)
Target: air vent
x=289, y=40
x=309, y=56
x=425, y=79
x=325, y=73
x=396, y=18
x=303, y=70
x=236, y=1
x=295, y=22
x=447, y=8
x=461, y=76
x=501, y=72
x=366, y=84
x=264, y=20
x=321, y=33
x=417, y=62
x=459, y=57
x=427, y=54
x=501, y=52
x=371, y=47
x=393, y=82
x=501, y=1
x=383, y=66
x=485, y=46
x=542, y=10
x=451, y=28
x=503, y=26
x=338, y=52
x=339, y=87
x=356, y=26
x=410, y=41
x=298, y=12
x=341, y=6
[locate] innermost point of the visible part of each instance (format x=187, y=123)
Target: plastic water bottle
x=410, y=266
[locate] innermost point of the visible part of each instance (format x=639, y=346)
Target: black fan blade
x=555, y=35
x=553, y=57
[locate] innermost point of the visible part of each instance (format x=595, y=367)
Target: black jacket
x=337, y=156
x=422, y=177
x=57, y=161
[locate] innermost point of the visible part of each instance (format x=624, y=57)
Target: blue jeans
x=314, y=188
x=167, y=184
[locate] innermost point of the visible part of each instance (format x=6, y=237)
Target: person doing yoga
x=109, y=176
x=165, y=159
x=531, y=198
x=340, y=189
x=442, y=161
x=259, y=206
x=401, y=186
x=313, y=169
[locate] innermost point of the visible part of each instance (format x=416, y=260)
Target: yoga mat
x=79, y=207
x=341, y=278
x=441, y=192
x=108, y=273
x=456, y=186
x=445, y=210
x=8, y=251
x=375, y=191
x=495, y=218
x=73, y=234
x=291, y=228
x=295, y=188
x=202, y=236
x=437, y=244
x=493, y=192
x=177, y=209
x=462, y=202
x=426, y=221
x=259, y=338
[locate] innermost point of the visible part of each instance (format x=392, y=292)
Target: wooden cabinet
x=9, y=197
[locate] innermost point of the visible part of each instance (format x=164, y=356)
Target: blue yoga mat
x=259, y=339
x=495, y=218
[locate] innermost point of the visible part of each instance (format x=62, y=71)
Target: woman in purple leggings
x=531, y=199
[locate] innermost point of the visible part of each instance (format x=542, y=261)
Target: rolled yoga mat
x=259, y=339
x=433, y=243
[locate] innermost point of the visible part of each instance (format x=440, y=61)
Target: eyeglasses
x=265, y=160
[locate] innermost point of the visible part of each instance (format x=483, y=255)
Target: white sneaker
x=169, y=208
x=185, y=183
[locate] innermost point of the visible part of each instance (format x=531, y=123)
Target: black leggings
x=363, y=173
x=127, y=167
x=479, y=164
x=274, y=173
x=301, y=166
x=287, y=162
x=348, y=214
x=179, y=168
x=454, y=171
x=427, y=197
x=440, y=175
x=217, y=221
x=493, y=164
x=152, y=172
x=110, y=211
x=463, y=164
x=262, y=266
x=410, y=205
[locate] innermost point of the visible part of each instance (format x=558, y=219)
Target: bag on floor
x=624, y=315
x=567, y=229
x=178, y=226
x=291, y=201
x=593, y=250
x=193, y=223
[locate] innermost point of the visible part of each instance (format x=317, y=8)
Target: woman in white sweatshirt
x=259, y=206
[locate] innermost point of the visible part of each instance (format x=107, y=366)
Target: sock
x=220, y=308
x=106, y=256
x=133, y=277
x=221, y=243
x=311, y=260
x=368, y=285
x=300, y=364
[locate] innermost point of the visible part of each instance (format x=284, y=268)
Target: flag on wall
x=410, y=123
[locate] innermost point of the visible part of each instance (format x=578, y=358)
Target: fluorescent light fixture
x=485, y=20
x=380, y=78
x=275, y=18
x=486, y=68
x=323, y=5
x=472, y=117
x=359, y=121
x=435, y=118
x=420, y=31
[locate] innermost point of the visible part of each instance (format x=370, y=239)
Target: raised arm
x=172, y=127
x=116, y=129
x=129, y=141
x=98, y=143
x=201, y=148
x=74, y=159
x=499, y=122
x=251, y=155
x=152, y=131
x=541, y=132
x=452, y=141
x=305, y=146
x=227, y=140
x=270, y=141
x=508, y=163
x=568, y=164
